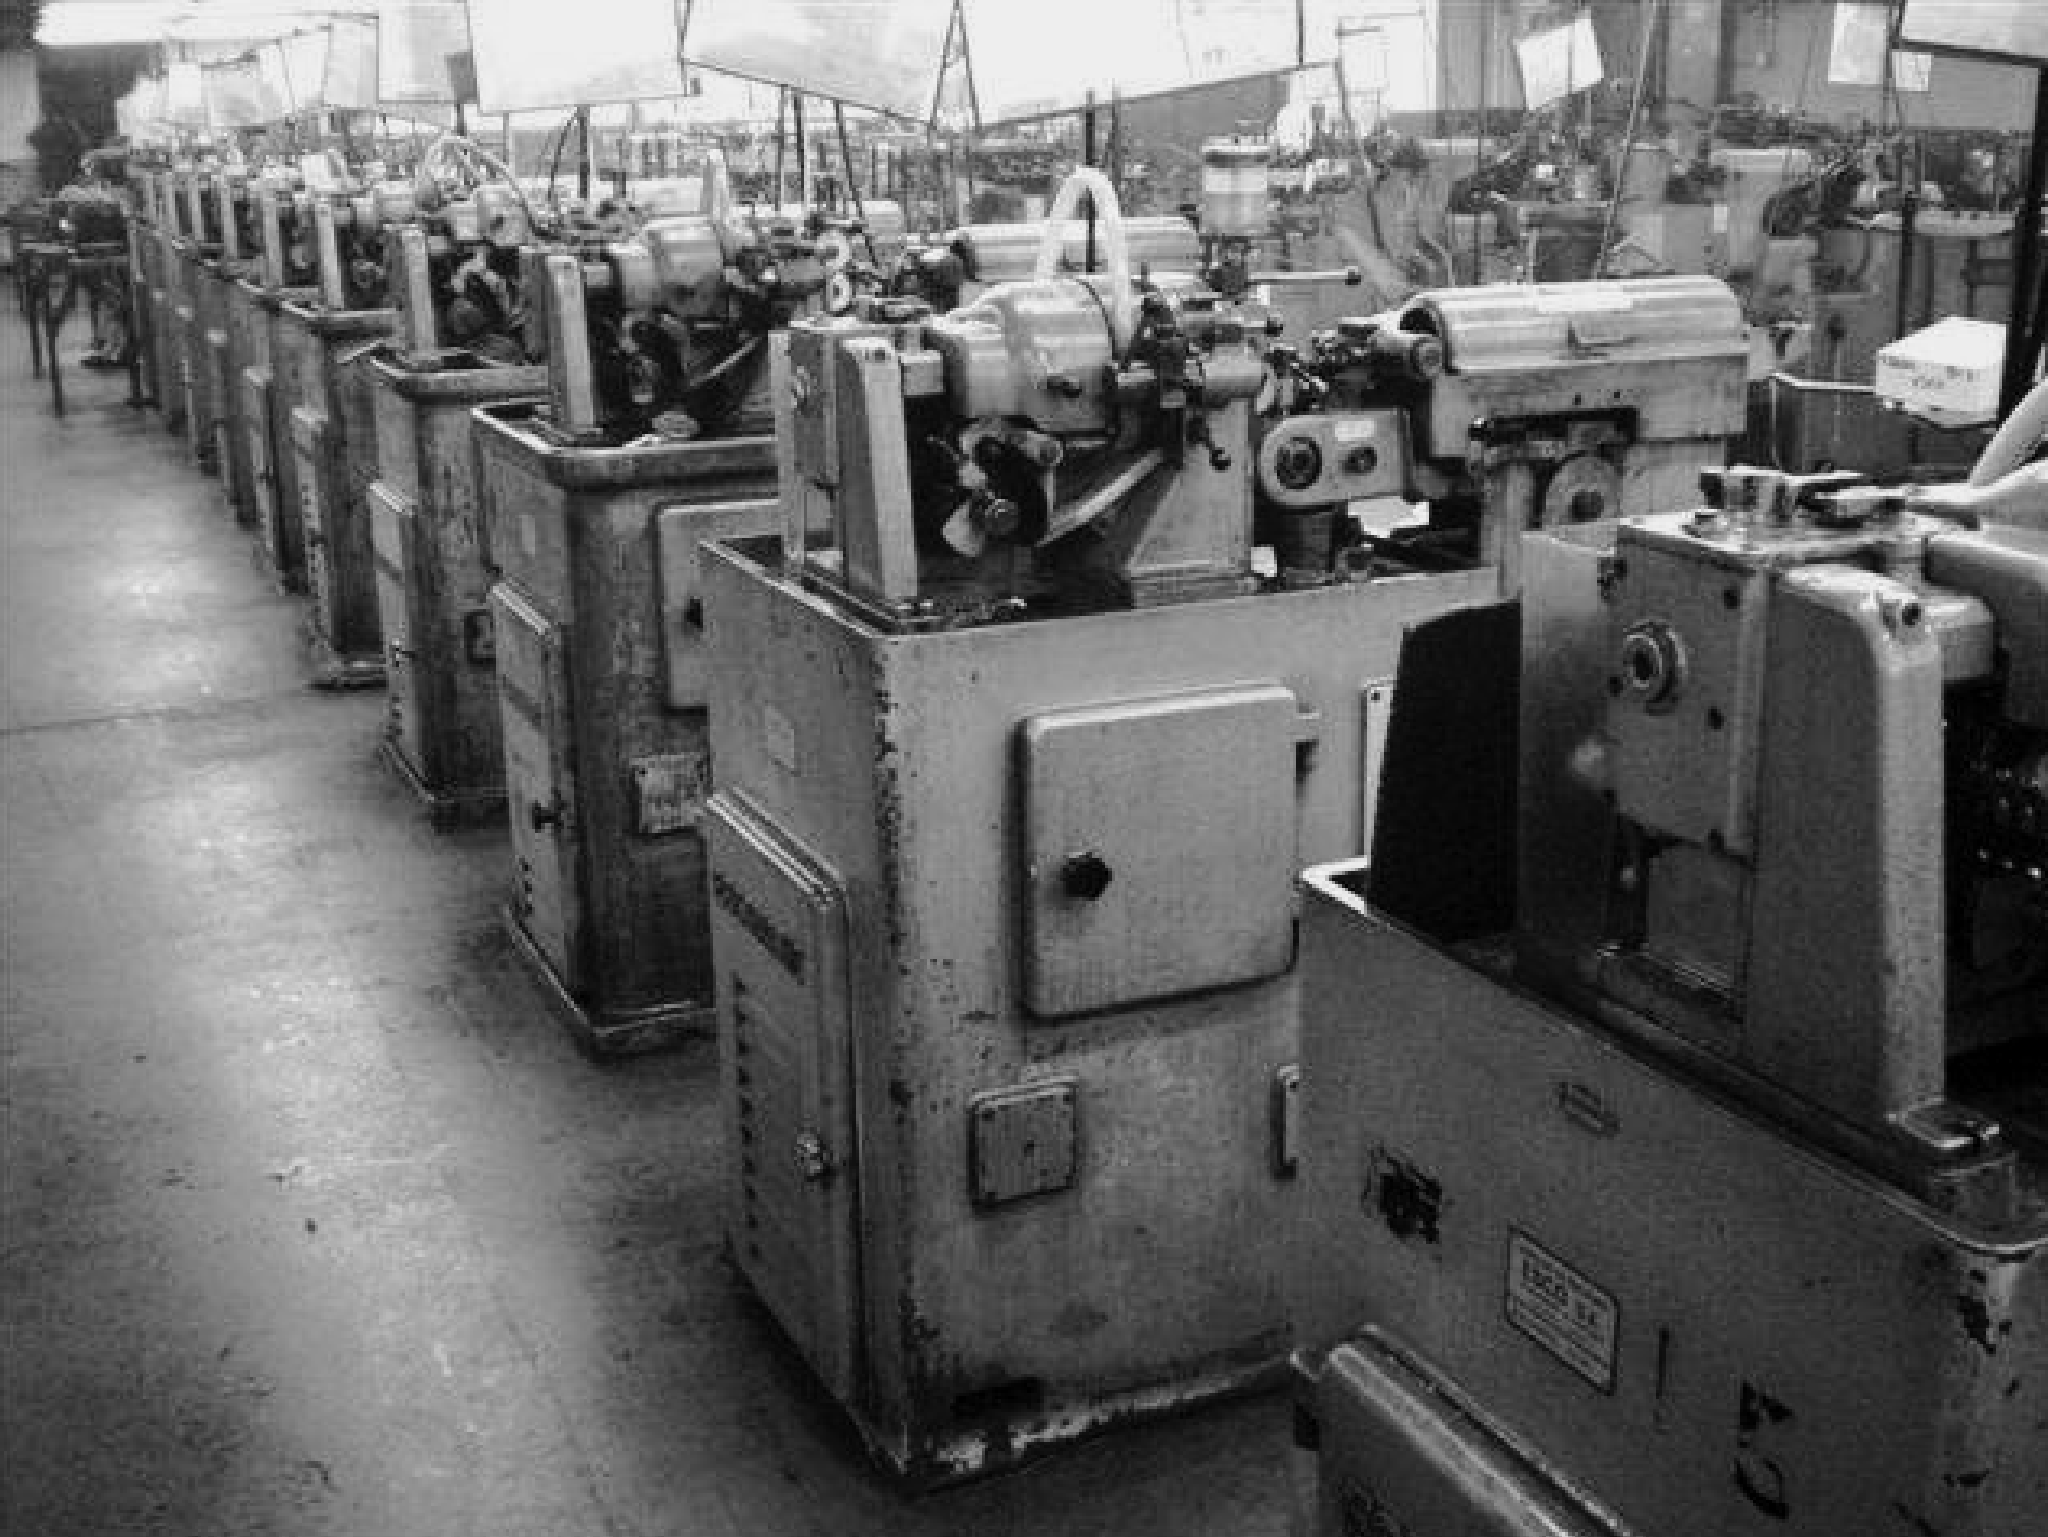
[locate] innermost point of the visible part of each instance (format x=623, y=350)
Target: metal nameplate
x=669, y=790
x=1558, y=1308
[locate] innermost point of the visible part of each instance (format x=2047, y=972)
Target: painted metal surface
x=1397, y=1442
x=248, y=346
x=393, y=528
x=209, y=340
x=540, y=778
x=167, y=342
x=280, y=529
x=443, y=733
x=616, y=916
x=1712, y=1326
x=188, y=323
x=987, y=1330
x=1130, y=897
x=332, y=436
x=786, y=1083
x=142, y=283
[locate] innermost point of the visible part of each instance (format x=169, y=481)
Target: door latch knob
x=1085, y=876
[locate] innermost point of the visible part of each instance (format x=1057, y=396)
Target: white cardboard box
x=1947, y=374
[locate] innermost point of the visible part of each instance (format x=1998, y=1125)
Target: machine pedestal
x=599, y=648
x=442, y=734
x=332, y=441
x=340, y=669
x=446, y=810
x=272, y=387
x=190, y=316
x=1004, y=918
x=607, y=1032
x=142, y=286
x=162, y=261
x=216, y=284
x=248, y=346
x=1691, y=1321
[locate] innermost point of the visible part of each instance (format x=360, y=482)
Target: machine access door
x=262, y=474
x=1159, y=841
x=219, y=385
x=313, y=441
x=391, y=541
x=779, y=931
x=540, y=786
x=678, y=530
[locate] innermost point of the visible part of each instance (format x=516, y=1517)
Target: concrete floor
x=311, y=1219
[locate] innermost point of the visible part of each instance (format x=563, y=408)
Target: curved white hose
x=449, y=143
x=2015, y=442
x=1123, y=302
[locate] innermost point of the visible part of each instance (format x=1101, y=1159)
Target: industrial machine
x=236, y=333
x=1069, y=656
x=453, y=273
x=317, y=354
x=453, y=276
x=289, y=269
x=145, y=263
x=196, y=309
x=666, y=331
x=652, y=438
x=1677, y=1165
x=164, y=220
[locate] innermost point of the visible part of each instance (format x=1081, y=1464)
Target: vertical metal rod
x=803, y=151
x=1479, y=140
x=1360, y=170
x=781, y=141
x=1088, y=158
x=583, y=154
x=1628, y=136
x=1909, y=223
x=2023, y=332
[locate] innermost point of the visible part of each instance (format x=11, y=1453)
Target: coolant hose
x=450, y=143
x=1123, y=302
x=2017, y=441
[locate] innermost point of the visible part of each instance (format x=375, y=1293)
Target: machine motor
x=666, y=331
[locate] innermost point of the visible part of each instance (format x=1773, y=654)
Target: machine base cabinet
x=442, y=735
x=248, y=346
x=332, y=438
x=166, y=341
x=1003, y=918
x=599, y=645
x=215, y=285
x=1578, y=1263
x=144, y=283
x=192, y=297
x=270, y=386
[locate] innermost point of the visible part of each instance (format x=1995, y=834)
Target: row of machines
x=341, y=338
x=254, y=329
x=939, y=701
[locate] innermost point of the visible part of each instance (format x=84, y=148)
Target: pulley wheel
x=1583, y=489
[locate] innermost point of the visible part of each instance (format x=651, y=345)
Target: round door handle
x=1085, y=876
x=813, y=1162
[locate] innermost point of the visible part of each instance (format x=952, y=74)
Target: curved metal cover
x=1541, y=325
